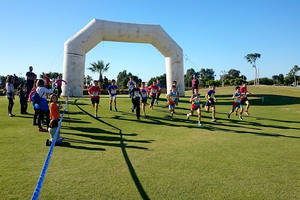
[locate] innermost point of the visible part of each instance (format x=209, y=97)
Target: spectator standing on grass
x=23, y=98
x=36, y=111
x=54, y=120
x=10, y=94
x=30, y=78
x=47, y=81
x=42, y=104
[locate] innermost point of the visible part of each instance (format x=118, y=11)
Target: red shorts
x=195, y=107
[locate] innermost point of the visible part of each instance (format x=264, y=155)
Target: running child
x=174, y=83
x=153, y=89
x=94, y=92
x=210, y=102
x=144, y=95
x=171, y=97
x=159, y=85
x=54, y=120
x=23, y=98
x=195, y=83
x=130, y=85
x=58, y=84
x=135, y=94
x=236, y=103
x=112, y=91
x=244, y=98
x=195, y=100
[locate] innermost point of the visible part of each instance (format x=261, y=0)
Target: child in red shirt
x=94, y=92
x=244, y=97
x=153, y=89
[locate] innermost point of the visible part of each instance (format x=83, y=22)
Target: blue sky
x=212, y=34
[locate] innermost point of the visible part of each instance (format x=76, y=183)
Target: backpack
x=35, y=98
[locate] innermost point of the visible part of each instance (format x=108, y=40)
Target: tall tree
x=99, y=67
x=233, y=73
x=293, y=73
x=223, y=77
x=281, y=78
x=275, y=79
x=251, y=58
x=208, y=74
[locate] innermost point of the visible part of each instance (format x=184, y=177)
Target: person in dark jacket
x=23, y=98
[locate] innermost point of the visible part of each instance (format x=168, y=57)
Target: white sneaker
x=199, y=124
x=187, y=116
x=96, y=115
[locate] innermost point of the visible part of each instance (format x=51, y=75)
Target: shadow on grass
x=257, y=124
x=211, y=128
x=188, y=123
x=218, y=126
x=123, y=146
x=68, y=145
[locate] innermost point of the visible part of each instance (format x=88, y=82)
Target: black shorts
x=144, y=100
x=244, y=101
x=211, y=103
x=95, y=101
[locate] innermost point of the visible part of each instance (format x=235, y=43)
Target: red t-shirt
x=153, y=90
x=94, y=92
x=195, y=83
x=244, y=91
x=47, y=80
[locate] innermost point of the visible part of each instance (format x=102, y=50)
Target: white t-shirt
x=42, y=91
x=10, y=90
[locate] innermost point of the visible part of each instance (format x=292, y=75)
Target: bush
x=266, y=81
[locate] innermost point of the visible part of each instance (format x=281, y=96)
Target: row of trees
x=206, y=76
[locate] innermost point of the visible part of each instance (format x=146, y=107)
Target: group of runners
x=140, y=93
x=37, y=92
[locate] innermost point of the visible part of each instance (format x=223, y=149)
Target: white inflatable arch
x=100, y=30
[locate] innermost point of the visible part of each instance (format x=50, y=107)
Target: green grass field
x=118, y=157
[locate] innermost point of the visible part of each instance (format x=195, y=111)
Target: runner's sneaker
x=199, y=124
x=110, y=108
x=241, y=118
x=187, y=116
x=48, y=142
x=132, y=110
x=247, y=113
x=11, y=115
x=228, y=115
x=213, y=120
x=96, y=115
x=42, y=130
x=116, y=109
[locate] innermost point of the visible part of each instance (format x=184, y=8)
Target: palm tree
x=293, y=73
x=99, y=67
x=251, y=58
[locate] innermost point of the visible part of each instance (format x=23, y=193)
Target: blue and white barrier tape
x=47, y=161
